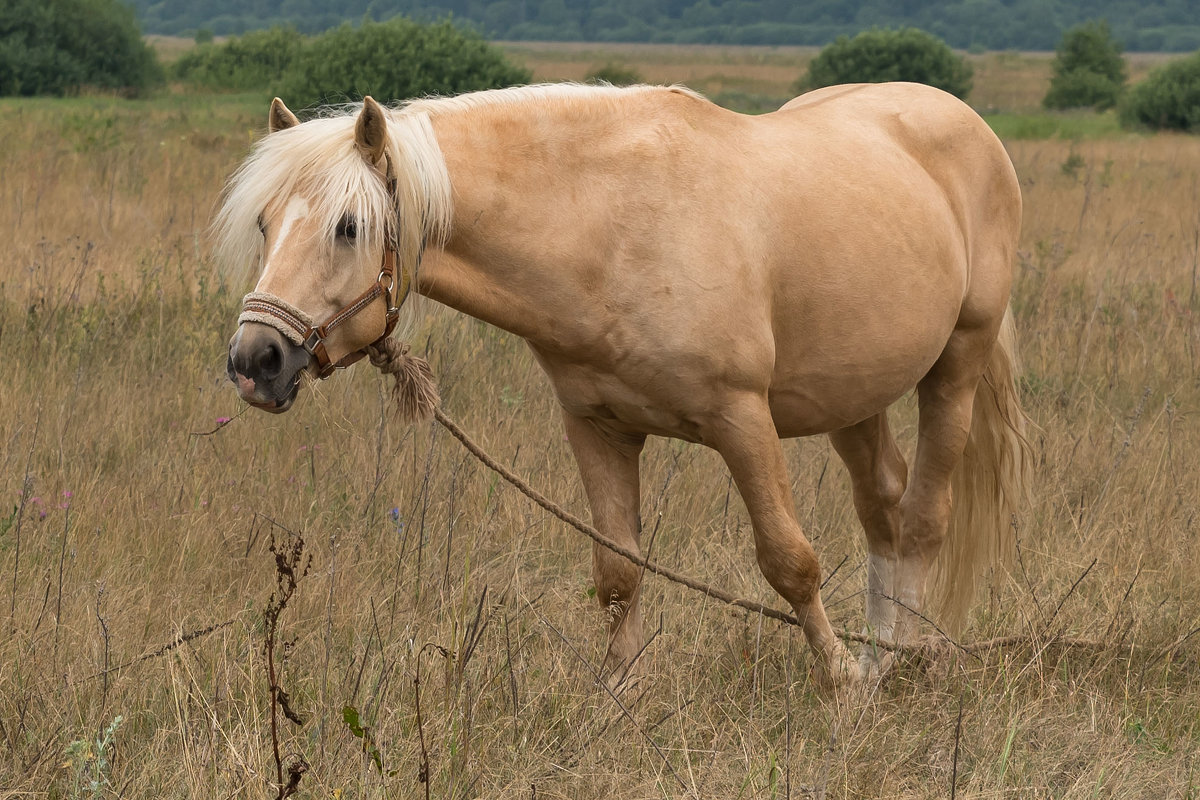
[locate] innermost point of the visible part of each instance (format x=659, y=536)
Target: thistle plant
x=89, y=762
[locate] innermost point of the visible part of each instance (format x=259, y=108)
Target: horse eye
x=347, y=228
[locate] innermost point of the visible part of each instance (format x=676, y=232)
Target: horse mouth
x=274, y=406
x=277, y=405
x=275, y=396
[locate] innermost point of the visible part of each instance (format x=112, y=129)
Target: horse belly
x=630, y=404
x=850, y=379
x=858, y=319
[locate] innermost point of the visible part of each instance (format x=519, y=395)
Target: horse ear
x=370, y=132
x=281, y=117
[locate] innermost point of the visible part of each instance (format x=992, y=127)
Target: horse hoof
x=876, y=664
x=837, y=670
x=620, y=676
x=619, y=683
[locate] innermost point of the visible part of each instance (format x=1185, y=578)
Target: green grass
x=1055, y=125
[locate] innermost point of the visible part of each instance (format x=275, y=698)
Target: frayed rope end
x=415, y=391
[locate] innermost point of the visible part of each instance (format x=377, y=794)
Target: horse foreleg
x=749, y=443
x=608, y=464
x=878, y=475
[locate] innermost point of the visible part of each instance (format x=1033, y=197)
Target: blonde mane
x=539, y=94
x=320, y=160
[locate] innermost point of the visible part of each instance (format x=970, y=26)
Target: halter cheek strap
x=301, y=330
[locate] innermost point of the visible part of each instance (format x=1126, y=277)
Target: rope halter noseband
x=300, y=328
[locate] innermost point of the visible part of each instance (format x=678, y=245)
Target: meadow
x=442, y=638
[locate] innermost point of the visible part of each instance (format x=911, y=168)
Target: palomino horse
x=681, y=270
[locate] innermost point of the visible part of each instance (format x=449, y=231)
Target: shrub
x=395, y=60
x=614, y=73
x=256, y=60
x=1089, y=71
x=57, y=47
x=1168, y=99
x=877, y=55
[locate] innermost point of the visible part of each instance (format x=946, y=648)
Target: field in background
x=134, y=515
x=762, y=78
x=758, y=79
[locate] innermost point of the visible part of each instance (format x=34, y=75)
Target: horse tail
x=993, y=481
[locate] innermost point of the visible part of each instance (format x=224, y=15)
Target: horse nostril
x=269, y=362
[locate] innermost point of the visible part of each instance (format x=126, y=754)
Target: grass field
x=756, y=79
x=139, y=501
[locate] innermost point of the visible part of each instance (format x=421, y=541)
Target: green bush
x=1089, y=71
x=615, y=73
x=57, y=47
x=395, y=60
x=877, y=55
x=1169, y=98
x=257, y=60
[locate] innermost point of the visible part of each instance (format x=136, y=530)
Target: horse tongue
x=245, y=386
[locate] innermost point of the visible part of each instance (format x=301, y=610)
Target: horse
x=682, y=270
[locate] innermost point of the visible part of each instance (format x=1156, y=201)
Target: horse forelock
x=319, y=161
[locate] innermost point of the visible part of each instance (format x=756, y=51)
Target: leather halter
x=299, y=327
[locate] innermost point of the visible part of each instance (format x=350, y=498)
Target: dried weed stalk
x=291, y=566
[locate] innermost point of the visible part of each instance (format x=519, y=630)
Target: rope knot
x=414, y=391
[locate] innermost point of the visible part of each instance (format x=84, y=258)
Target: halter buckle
x=313, y=341
x=391, y=276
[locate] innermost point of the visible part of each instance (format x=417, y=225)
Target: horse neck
x=536, y=188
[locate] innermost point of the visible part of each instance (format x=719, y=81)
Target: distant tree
x=57, y=47
x=1168, y=99
x=1088, y=69
x=877, y=55
x=256, y=60
x=396, y=60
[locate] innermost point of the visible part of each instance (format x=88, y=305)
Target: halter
x=299, y=327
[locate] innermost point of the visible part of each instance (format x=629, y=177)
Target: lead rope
x=414, y=391
x=416, y=396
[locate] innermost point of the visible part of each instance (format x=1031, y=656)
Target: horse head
x=323, y=202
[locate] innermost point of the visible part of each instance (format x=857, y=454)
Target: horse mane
x=538, y=93
x=320, y=160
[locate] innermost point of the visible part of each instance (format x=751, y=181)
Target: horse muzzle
x=265, y=367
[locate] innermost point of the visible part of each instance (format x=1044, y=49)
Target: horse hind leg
x=608, y=465
x=748, y=442
x=878, y=475
x=946, y=397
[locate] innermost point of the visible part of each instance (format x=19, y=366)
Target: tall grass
x=139, y=501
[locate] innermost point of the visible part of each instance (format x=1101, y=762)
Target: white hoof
x=875, y=663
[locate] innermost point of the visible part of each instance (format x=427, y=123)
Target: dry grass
x=130, y=516
x=763, y=78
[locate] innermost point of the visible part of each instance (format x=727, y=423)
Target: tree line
x=1153, y=25
x=55, y=47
